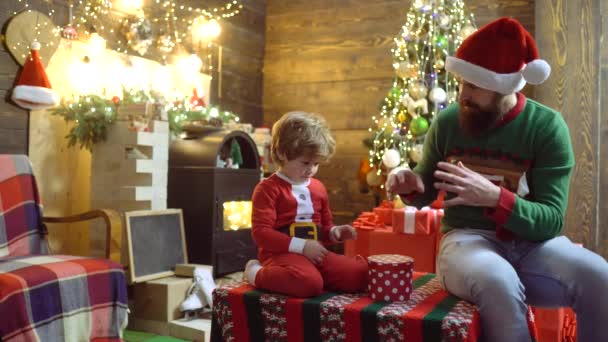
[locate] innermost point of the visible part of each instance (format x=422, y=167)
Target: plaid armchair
x=52, y=297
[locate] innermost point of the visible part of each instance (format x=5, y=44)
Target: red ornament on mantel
x=197, y=101
x=390, y=277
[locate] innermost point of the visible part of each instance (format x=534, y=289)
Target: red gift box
x=410, y=220
x=390, y=277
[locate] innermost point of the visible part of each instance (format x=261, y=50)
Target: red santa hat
x=501, y=56
x=33, y=89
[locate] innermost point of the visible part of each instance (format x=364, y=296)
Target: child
x=291, y=218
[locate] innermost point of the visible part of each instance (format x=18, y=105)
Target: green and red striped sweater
x=529, y=150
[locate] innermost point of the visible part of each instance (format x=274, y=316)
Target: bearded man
x=505, y=163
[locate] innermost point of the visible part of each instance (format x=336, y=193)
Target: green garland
x=180, y=113
x=92, y=115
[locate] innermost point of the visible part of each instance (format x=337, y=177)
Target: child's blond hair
x=298, y=134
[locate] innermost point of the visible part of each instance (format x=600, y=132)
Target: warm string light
x=432, y=31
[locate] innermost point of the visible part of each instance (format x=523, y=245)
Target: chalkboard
x=156, y=243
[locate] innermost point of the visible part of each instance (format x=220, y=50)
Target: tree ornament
x=417, y=90
x=413, y=106
x=438, y=95
x=439, y=64
x=69, y=32
x=419, y=126
x=441, y=41
x=391, y=158
x=412, y=70
x=395, y=94
x=398, y=203
x=402, y=69
x=444, y=21
x=138, y=32
x=373, y=178
x=415, y=153
x=401, y=117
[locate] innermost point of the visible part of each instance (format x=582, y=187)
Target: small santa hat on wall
x=501, y=56
x=33, y=89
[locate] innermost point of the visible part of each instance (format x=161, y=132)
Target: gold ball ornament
x=412, y=70
x=373, y=178
x=417, y=90
x=401, y=117
x=398, y=203
x=415, y=153
x=439, y=64
x=21, y=32
x=401, y=69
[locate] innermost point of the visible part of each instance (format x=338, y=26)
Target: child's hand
x=314, y=251
x=342, y=233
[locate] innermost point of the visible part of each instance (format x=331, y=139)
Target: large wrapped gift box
x=242, y=313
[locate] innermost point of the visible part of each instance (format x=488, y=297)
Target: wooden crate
x=159, y=299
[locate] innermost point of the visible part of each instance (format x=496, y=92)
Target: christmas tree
x=421, y=88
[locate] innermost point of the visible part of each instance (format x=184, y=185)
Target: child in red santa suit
x=291, y=219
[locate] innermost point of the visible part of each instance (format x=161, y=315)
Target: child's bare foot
x=251, y=269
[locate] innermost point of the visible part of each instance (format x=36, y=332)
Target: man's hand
x=314, y=251
x=404, y=181
x=342, y=233
x=470, y=187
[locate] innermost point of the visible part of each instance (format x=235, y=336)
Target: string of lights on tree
x=421, y=88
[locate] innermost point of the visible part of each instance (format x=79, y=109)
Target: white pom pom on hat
x=501, y=56
x=537, y=71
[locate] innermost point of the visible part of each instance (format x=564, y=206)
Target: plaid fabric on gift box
x=242, y=313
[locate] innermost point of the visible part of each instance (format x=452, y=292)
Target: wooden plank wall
x=569, y=35
x=333, y=57
x=242, y=40
x=13, y=120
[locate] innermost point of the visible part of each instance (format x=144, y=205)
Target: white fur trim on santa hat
x=32, y=97
x=501, y=83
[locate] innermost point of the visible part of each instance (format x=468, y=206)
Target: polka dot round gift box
x=390, y=277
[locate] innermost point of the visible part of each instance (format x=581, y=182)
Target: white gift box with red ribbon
x=390, y=277
x=411, y=220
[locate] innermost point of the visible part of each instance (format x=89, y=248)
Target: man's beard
x=476, y=121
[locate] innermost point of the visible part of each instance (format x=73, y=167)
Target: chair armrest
x=113, y=223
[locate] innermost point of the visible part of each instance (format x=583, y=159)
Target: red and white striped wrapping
x=410, y=220
x=390, y=277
